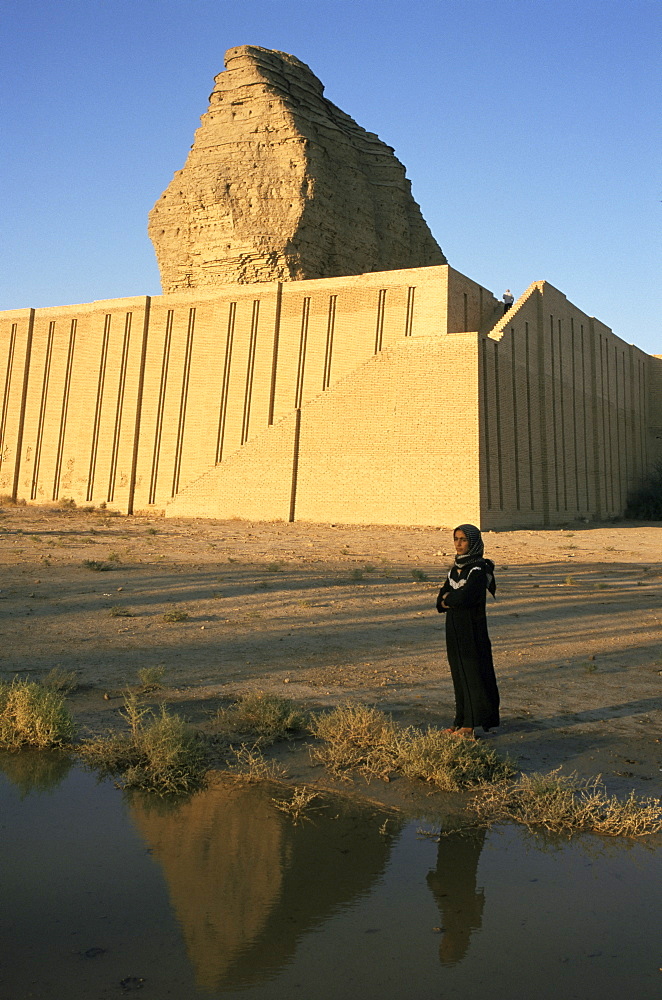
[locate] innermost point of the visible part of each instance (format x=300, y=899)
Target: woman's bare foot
x=466, y=731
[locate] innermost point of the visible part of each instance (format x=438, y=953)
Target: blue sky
x=529, y=130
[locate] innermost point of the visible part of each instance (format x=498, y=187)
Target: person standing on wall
x=508, y=300
x=462, y=599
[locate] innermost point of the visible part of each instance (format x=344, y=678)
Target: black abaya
x=468, y=647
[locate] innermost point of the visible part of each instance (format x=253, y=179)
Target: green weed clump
x=160, y=753
x=567, y=804
x=33, y=715
x=360, y=738
x=176, y=616
x=266, y=717
x=98, y=565
x=151, y=678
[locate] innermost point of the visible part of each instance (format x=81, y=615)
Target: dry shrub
x=266, y=717
x=297, y=806
x=356, y=738
x=568, y=804
x=359, y=738
x=161, y=753
x=450, y=762
x=32, y=715
x=61, y=680
x=251, y=764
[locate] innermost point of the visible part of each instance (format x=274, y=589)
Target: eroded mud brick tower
x=313, y=355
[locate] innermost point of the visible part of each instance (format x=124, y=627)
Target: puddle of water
x=221, y=896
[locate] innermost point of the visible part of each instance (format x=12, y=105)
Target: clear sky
x=530, y=130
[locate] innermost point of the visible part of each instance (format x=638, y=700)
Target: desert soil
x=326, y=613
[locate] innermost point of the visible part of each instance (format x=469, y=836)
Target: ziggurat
x=401, y=395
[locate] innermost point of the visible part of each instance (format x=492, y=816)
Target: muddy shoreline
x=323, y=614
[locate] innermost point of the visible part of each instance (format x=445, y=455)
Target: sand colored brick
x=566, y=415
x=396, y=397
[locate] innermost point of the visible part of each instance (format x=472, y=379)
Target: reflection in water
x=35, y=770
x=453, y=885
x=246, y=883
x=268, y=911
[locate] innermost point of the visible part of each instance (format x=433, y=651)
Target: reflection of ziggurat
x=314, y=357
x=246, y=883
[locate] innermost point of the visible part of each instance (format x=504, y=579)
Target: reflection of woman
x=453, y=885
x=468, y=646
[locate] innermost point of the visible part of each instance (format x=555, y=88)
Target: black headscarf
x=474, y=557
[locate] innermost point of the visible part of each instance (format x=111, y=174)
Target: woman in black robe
x=462, y=598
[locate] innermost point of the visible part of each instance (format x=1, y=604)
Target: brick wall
x=71, y=387
x=387, y=397
x=654, y=396
x=256, y=482
x=395, y=442
x=563, y=415
x=15, y=343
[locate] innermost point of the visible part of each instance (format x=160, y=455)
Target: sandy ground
x=329, y=613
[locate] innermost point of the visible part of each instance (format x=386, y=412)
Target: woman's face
x=461, y=543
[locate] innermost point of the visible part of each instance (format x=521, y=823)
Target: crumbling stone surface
x=281, y=184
